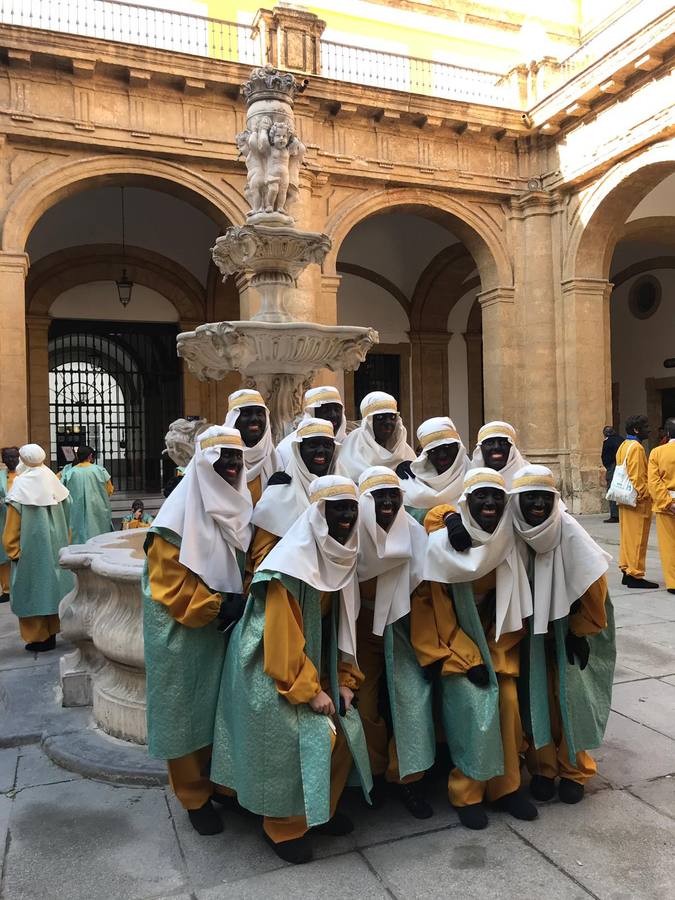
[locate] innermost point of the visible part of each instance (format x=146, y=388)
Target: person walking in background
x=10, y=457
x=90, y=490
x=137, y=518
x=661, y=479
x=635, y=522
x=610, y=444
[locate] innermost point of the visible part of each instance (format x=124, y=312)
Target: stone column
x=474, y=371
x=38, y=380
x=536, y=415
x=429, y=375
x=13, y=372
x=499, y=353
x=586, y=406
x=192, y=388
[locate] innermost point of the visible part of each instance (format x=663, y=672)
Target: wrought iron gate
x=114, y=386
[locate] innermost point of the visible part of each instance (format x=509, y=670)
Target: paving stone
x=623, y=673
x=659, y=793
x=13, y=655
x=654, y=603
x=84, y=840
x=469, y=864
x=613, y=844
x=8, y=760
x=5, y=815
x=35, y=768
x=622, y=759
x=634, y=615
x=641, y=653
x=343, y=878
x=649, y=702
x=670, y=679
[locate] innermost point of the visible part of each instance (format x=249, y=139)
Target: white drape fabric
x=428, y=488
x=360, y=450
x=261, y=459
x=515, y=460
x=36, y=485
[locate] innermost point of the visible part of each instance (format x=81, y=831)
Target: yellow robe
x=661, y=481
x=634, y=523
x=5, y=568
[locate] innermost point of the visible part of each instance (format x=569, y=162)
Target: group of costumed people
x=40, y=513
x=339, y=611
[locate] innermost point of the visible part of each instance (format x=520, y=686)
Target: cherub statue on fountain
x=273, y=156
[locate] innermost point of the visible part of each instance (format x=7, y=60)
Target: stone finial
x=268, y=83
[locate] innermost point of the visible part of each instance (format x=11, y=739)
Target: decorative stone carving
x=103, y=617
x=180, y=439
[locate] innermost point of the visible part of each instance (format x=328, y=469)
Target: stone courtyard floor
x=65, y=836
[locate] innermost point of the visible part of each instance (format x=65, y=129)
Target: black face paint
x=387, y=504
x=486, y=506
x=536, y=506
x=10, y=457
x=229, y=464
x=251, y=423
x=331, y=412
x=441, y=458
x=384, y=425
x=495, y=452
x=341, y=517
x=317, y=454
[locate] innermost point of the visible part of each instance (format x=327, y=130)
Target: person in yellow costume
x=192, y=584
x=10, y=458
x=467, y=621
x=247, y=412
x=661, y=482
x=569, y=654
x=635, y=522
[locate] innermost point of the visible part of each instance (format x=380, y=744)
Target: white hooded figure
x=380, y=439
x=248, y=413
x=496, y=448
x=437, y=475
x=322, y=402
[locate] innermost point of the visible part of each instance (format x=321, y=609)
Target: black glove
x=404, y=471
x=479, y=675
x=342, y=707
x=459, y=537
x=231, y=610
x=579, y=647
x=432, y=671
x=280, y=478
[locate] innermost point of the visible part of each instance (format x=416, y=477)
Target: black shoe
x=227, y=802
x=297, y=851
x=42, y=646
x=518, y=806
x=570, y=791
x=623, y=578
x=378, y=794
x=671, y=590
x=639, y=583
x=542, y=788
x=416, y=805
x=205, y=820
x=337, y=826
x=4, y=598
x=610, y=521
x=473, y=816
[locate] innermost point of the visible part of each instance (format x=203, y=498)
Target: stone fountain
x=275, y=354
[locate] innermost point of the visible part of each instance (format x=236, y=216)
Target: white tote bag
x=622, y=490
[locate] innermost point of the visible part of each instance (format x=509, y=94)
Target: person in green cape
x=466, y=623
x=36, y=529
x=137, y=518
x=287, y=733
x=10, y=458
x=568, y=658
x=90, y=491
x=391, y=554
x=192, y=586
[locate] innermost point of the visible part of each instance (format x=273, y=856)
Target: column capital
x=600, y=286
x=12, y=261
x=429, y=337
x=35, y=323
x=330, y=282
x=535, y=203
x=496, y=295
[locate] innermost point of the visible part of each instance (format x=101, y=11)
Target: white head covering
x=514, y=462
x=567, y=560
x=487, y=553
x=360, y=450
x=282, y=504
x=261, y=458
x=37, y=484
x=314, y=398
x=209, y=515
x=309, y=553
x=428, y=488
x=394, y=557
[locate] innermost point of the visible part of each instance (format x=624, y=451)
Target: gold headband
x=252, y=398
x=224, y=440
x=332, y=396
x=313, y=429
x=375, y=480
x=389, y=405
x=449, y=433
x=496, y=481
x=547, y=481
x=333, y=491
x=496, y=431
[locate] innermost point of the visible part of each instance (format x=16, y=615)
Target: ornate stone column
x=429, y=375
x=38, y=380
x=474, y=367
x=499, y=352
x=13, y=373
x=586, y=384
x=193, y=401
